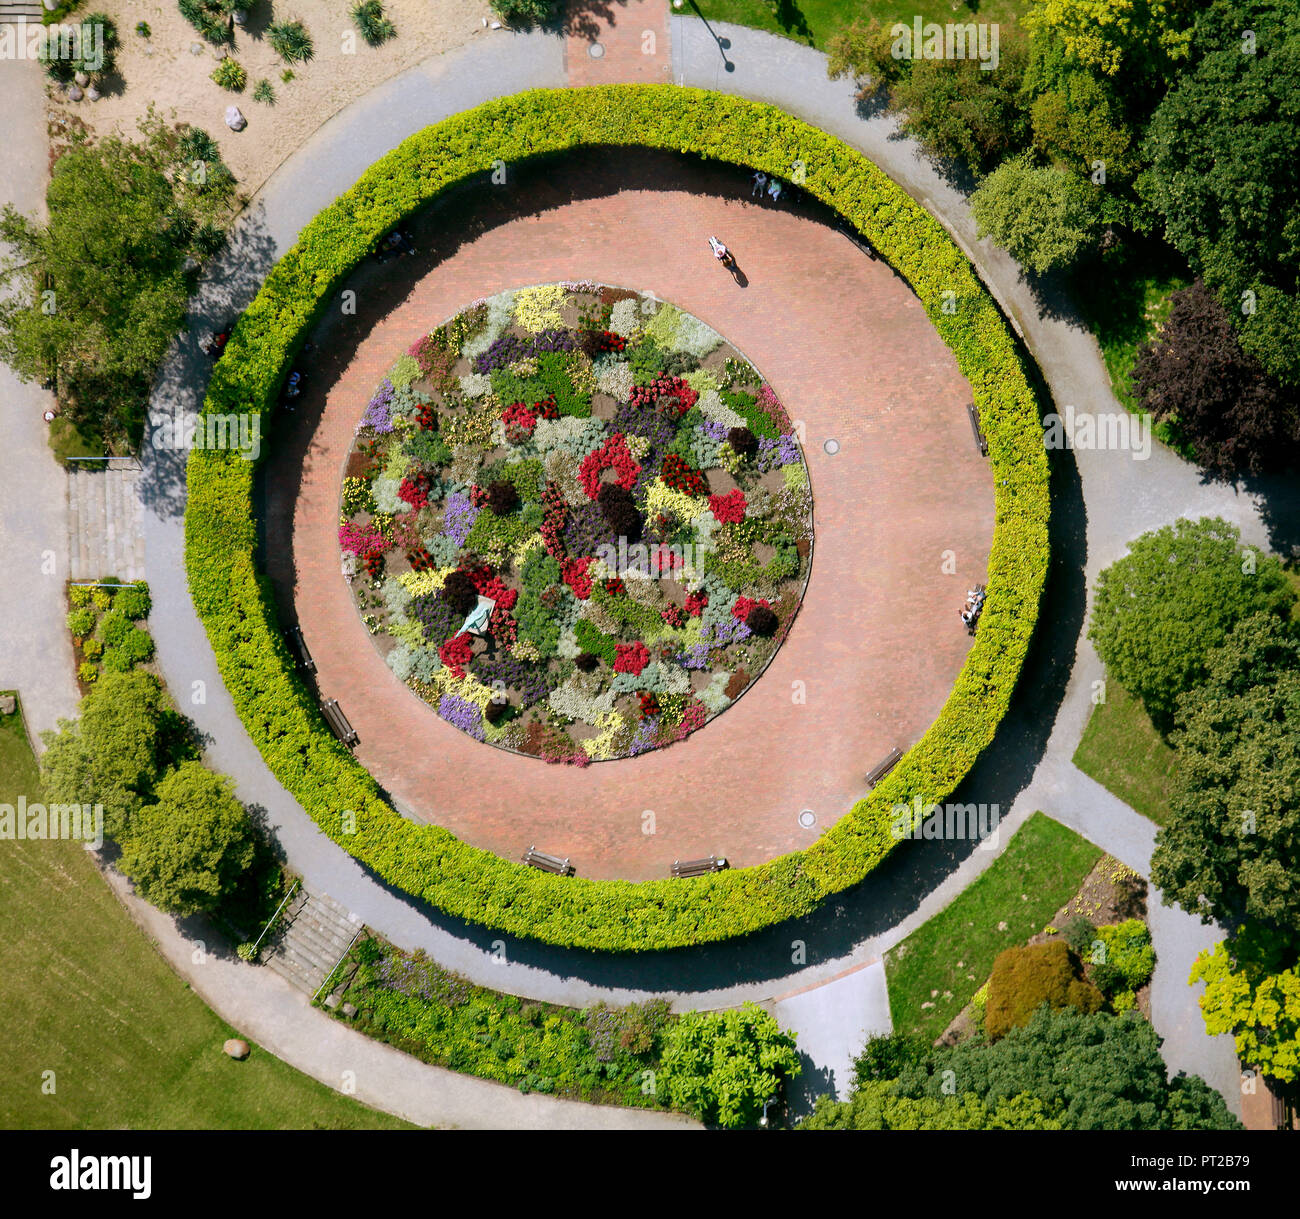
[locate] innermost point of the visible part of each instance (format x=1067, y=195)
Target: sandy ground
x=163, y=69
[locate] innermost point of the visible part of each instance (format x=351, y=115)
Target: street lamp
x=767, y=1104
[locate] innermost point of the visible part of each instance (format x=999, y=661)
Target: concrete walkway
x=35, y=651
x=1114, y=498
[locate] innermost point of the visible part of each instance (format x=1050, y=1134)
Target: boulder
x=74, y=93
x=8, y=704
x=234, y=120
x=236, y=1048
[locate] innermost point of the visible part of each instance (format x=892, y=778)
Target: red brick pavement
x=877, y=644
x=631, y=37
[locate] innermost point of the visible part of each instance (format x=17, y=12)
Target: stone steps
x=316, y=934
x=27, y=10
x=105, y=519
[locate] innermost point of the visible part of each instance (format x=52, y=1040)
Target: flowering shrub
x=568, y=522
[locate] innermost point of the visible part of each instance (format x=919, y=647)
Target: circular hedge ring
x=236, y=606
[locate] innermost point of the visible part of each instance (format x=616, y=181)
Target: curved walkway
x=1106, y=501
x=851, y=354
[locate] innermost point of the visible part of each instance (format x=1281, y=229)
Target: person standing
x=760, y=181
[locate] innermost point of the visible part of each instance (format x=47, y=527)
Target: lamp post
x=767, y=1104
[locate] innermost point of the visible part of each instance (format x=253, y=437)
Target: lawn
x=1122, y=750
x=814, y=21
x=945, y=961
x=87, y=998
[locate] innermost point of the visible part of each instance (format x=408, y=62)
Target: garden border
x=237, y=607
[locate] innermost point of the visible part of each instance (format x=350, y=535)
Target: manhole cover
x=807, y=818
x=832, y=447
x=596, y=51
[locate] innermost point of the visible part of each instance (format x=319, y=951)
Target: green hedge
x=238, y=609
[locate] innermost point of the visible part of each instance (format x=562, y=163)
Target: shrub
x=81, y=622
x=209, y=18
x=264, y=92
x=1129, y=958
x=459, y=593
x=113, y=627
x=742, y=441
x=290, y=41
x=369, y=18
x=523, y=12
x=502, y=497
x=133, y=602
x=229, y=75
x=235, y=606
x=762, y=621
x=588, y=662
x=1079, y=933
x=1025, y=978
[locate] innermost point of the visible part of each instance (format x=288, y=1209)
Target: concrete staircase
x=28, y=10
x=105, y=519
x=316, y=933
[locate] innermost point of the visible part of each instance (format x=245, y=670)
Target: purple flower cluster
x=532, y=683
x=645, y=421
x=714, y=430
x=558, y=339
x=586, y=529
x=511, y=347
x=418, y=978
x=729, y=630
x=458, y=517
x=646, y=733
x=378, y=415
x=462, y=714
x=773, y=454
x=435, y=615
x=695, y=657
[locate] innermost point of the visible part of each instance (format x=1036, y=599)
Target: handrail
x=297, y=884
x=337, y=963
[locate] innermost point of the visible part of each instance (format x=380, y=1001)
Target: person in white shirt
x=760, y=181
x=720, y=252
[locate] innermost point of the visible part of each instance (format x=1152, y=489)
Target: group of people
x=772, y=187
x=970, y=613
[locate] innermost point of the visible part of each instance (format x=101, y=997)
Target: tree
x=960, y=112
x=885, y=1057
x=873, y=1106
x=97, y=293
x=113, y=753
x=1248, y=995
x=1079, y=123
x=95, y=50
x=1229, y=203
x=1026, y=977
x=188, y=850
x=1231, y=847
x=722, y=1066
x=865, y=51
x=1093, y=1072
x=1044, y=216
x=1160, y=610
x=1195, y=373
x=1112, y=35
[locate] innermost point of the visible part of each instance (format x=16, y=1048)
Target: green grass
x=945, y=961
x=814, y=21
x=87, y=998
x=1122, y=750
x=67, y=442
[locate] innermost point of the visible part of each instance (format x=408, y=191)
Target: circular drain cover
x=832, y=447
x=596, y=51
x=807, y=818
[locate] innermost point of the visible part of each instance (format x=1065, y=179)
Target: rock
x=92, y=94
x=81, y=78
x=196, y=48
x=8, y=704
x=74, y=94
x=239, y=17
x=332, y=1001
x=234, y=120
x=349, y=1010
x=236, y=1048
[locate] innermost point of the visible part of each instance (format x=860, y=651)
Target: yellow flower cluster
x=472, y=429
x=538, y=309
x=612, y=738
x=662, y=498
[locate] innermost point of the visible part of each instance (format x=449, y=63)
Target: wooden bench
x=338, y=722
x=294, y=636
x=698, y=867
x=548, y=863
x=883, y=767
x=980, y=442
x=858, y=240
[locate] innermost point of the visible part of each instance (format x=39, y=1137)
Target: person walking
x=760, y=181
x=720, y=252
x=774, y=190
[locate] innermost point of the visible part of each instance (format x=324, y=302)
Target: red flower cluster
x=730, y=508
x=478, y=496
x=615, y=587
x=695, y=603
x=681, y=477
x=555, y=512
x=607, y=340
x=744, y=605
x=546, y=408
x=631, y=657
x=519, y=422
x=674, y=615
x=427, y=417
x=374, y=566
x=662, y=557
x=362, y=540
x=693, y=718
x=415, y=491
x=503, y=626
x=420, y=560
x=677, y=396
x=489, y=585
x=576, y=576
x=455, y=653
x=612, y=455
x=649, y=703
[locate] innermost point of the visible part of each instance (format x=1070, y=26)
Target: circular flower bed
x=577, y=522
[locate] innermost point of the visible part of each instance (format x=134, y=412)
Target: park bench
x=884, y=766
x=699, y=867
x=858, y=240
x=548, y=863
x=294, y=635
x=338, y=722
x=980, y=442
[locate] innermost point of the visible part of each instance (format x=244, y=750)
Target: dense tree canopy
x=1231, y=847
x=1161, y=609
x=1110, y=36
x=1044, y=216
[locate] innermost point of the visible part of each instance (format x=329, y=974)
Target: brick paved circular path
x=877, y=644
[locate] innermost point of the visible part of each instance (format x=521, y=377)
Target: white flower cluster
x=576, y=704
x=383, y=491
x=577, y=437
x=614, y=377
x=626, y=317
x=712, y=407
x=713, y=696
x=475, y=384
x=500, y=313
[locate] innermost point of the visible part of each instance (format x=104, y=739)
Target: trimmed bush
x=1026, y=978
x=237, y=607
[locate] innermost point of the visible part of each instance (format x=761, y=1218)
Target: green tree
x=1113, y=35
x=113, y=753
x=1249, y=995
x=1026, y=977
x=1044, y=216
x=1230, y=201
x=863, y=49
x=1231, y=847
x=722, y=1066
x=873, y=1106
x=1081, y=122
x=97, y=292
x=1160, y=610
x=187, y=851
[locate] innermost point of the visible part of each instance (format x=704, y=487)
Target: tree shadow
x=789, y=16
x=802, y=1091
x=586, y=18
